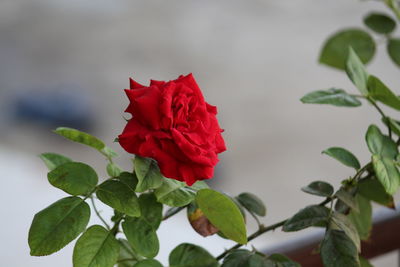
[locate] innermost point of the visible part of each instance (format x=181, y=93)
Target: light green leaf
x=319, y=188
x=342, y=222
x=380, y=144
x=337, y=249
x=344, y=156
x=362, y=220
x=53, y=160
x=57, y=225
x=347, y=198
x=189, y=255
x=75, y=178
x=148, y=263
x=373, y=190
x=119, y=196
x=309, y=216
x=364, y=262
x=80, y=137
x=113, y=170
x=380, y=92
x=148, y=174
x=356, y=71
x=127, y=257
x=252, y=203
x=387, y=173
x=336, y=48
x=174, y=193
x=141, y=236
x=223, y=213
x=380, y=23
x=393, y=49
x=333, y=96
x=151, y=210
x=97, y=247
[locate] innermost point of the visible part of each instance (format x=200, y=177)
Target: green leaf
x=319, y=188
x=364, y=262
x=393, y=49
x=148, y=174
x=174, y=193
x=342, y=222
x=282, y=261
x=74, y=178
x=373, y=190
x=333, y=96
x=97, y=247
x=141, y=236
x=380, y=23
x=380, y=144
x=347, y=198
x=113, y=170
x=53, y=160
x=387, y=173
x=57, y=225
x=344, y=156
x=119, y=196
x=80, y=137
x=127, y=257
x=380, y=92
x=309, y=216
x=245, y=258
x=338, y=250
x=252, y=203
x=362, y=220
x=223, y=213
x=151, y=210
x=356, y=72
x=189, y=255
x=336, y=48
x=128, y=179
x=108, y=152
x=148, y=263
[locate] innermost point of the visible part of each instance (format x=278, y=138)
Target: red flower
x=172, y=124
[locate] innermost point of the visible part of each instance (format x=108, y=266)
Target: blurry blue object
x=63, y=106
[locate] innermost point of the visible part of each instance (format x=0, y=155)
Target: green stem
x=98, y=213
x=382, y=114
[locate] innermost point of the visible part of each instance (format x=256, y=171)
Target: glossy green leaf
x=97, y=247
x=333, y=96
x=282, y=261
x=75, y=178
x=344, y=156
x=148, y=263
x=53, y=160
x=113, y=170
x=347, y=198
x=356, y=72
x=119, y=196
x=189, y=255
x=380, y=92
x=319, y=188
x=141, y=236
x=223, y=213
x=342, y=222
x=309, y=216
x=362, y=220
x=337, y=249
x=380, y=23
x=151, y=209
x=380, y=144
x=127, y=257
x=373, y=189
x=387, y=173
x=335, y=50
x=80, y=137
x=252, y=203
x=148, y=174
x=245, y=258
x=57, y=225
x=393, y=49
x=174, y=193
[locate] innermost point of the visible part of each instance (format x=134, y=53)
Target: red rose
x=172, y=124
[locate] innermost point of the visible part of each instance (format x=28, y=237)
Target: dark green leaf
x=57, y=225
x=97, y=247
x=189, y=255
x=128, y=179
x=356, y=71
x=380, y=23
x=223, y=213
x=393, y=48
x=319, y=188
x=282, y=261
x=342, y=222
x=333, y=96
x=387, y=173
x=148, y=174
x=338, y=250
x=380, y=92
x=309, y=216
x=336, y=48
x=151, y=210
x=174, y=193
x=245, y=258
x=75, y=178
x=148, y=263
x=347, y=198
x=141, y=236
x=373, y=190
x=113, y=170
x=252, y=203
x=344, y=156
x=362, y=220
x=394, y=125
x=380, y=144
x=80, y=137
x=119, y=196
x=53, y=160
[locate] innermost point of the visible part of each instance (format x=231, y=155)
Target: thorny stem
x=98, y=213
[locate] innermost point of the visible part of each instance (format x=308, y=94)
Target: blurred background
x=66, y=63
